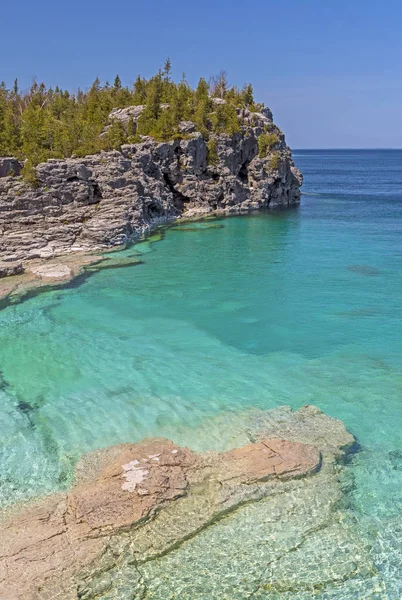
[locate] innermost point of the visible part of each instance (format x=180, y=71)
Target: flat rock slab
x=39, y=273
x=48, y=546
x=52, y=271
x=271, y=458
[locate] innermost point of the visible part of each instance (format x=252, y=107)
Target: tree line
x=43, y=122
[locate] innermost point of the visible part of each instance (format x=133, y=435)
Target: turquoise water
x=288, y=307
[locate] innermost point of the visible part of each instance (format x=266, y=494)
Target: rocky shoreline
x=41, y=274
x=86, y=205
x=138, y=517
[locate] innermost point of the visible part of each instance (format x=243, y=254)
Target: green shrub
x=274, y=161
x=225, y=120
x=212, y=155
x=29, y=174
x=266, y=142
x=116, y=136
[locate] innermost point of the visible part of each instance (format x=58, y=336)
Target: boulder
x=9, y=166
x=12, y=268
x=187, y=127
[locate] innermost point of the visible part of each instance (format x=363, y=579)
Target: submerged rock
x=153, y=520
x=367, y=270
x=114, y=263
x=42, y=274
x=198, y=227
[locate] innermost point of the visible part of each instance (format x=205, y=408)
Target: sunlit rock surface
x=153, y=520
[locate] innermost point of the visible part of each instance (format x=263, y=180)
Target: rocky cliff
x=103, y=200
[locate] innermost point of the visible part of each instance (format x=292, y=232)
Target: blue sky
x=331, y=71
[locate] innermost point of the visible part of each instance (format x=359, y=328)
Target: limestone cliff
x=103, y=200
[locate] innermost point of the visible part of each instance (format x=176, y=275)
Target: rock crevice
x=100, y=201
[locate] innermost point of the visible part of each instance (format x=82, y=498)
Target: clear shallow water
x=289, y=307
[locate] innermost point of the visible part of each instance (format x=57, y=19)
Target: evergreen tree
x=167, y=70
x=202, y=91
x=149, y=116
x=247, y=95
x=225, y=119
x=42, y=123
x=117, y=83
x=34, y=132
x=139, y=91
x=116, y=135
x=203, y=106
x=165, y=127
x=3, y=108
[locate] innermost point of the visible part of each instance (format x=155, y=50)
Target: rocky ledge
x=100, y=201
x=138, y=522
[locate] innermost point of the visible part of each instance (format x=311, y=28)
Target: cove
x=302, y=306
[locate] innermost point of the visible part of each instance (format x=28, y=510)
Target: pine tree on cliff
x=116, y=135
x=225, y=119
x=120, y=96
x=180, y=103
x=43, y=123
x=117, y=84
x=167, y=85
x=149, y=116
x=248, y=95
x=165, y=126
x=139, y=95
x=3, y=108
x=11, y=134
x=93, y=114
x=167, y=70
x=36, y=125
x=10, y=128
x=203, y=106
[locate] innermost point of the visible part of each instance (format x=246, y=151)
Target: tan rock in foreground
x=52, y=546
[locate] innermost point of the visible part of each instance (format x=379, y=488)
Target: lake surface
x=283, y=307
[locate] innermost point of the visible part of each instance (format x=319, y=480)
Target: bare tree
x=218, y=84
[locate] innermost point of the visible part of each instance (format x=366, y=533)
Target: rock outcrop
x=9, y=167
x=100, y=201
x=135, y=507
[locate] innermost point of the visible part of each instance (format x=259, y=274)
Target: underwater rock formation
x=153, y=520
